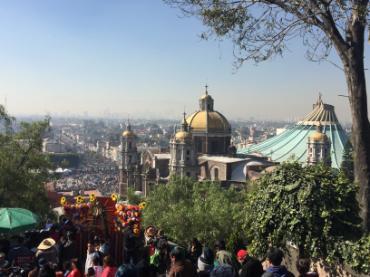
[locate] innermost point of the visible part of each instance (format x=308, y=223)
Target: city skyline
x=146, y=60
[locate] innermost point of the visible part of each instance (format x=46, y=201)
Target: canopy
x=13, y=220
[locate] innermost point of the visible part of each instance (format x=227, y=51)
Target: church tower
x=183, y=160
x=129, y=161
x=318, y=148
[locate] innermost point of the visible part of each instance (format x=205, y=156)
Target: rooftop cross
x=206, y=86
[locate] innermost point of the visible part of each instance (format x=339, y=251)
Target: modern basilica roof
x=292, y=143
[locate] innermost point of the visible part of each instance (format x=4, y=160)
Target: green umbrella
x=13, y=220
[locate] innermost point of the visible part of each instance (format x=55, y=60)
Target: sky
x=144, y=59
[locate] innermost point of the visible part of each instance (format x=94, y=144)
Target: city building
x=297, y=140
x=201, y=149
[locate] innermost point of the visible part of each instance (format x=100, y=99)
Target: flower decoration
x=63, y=200
x=127, y=216
x=142, y=205
x=79, y=199
x=114, y=197
x=92, y=197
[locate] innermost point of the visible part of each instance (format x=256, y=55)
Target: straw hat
x=46, y=244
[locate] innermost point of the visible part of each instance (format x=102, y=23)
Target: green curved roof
x=292, y=143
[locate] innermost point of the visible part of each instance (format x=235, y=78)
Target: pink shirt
x=109, y=272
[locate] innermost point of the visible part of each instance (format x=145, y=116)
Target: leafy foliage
x=185, y=209
x=357, y=254
x=312, y=207
x=347, y=163
x=23, y=167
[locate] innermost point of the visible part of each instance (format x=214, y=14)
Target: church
x=201, y=150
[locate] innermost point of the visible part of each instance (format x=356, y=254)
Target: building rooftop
x=292, y=143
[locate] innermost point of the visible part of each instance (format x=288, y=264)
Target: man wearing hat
x=250, y=267
x=47, y=251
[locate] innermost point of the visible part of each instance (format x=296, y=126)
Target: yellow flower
x=92, y=197
x=142, y=205
x=114, y=197
x=63, y=200
x=79, y=199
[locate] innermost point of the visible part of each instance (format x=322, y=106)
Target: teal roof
x=292, y=143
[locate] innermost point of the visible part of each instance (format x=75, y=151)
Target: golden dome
x=318, y=137
x=205, y=96
x=128, y=133
x=208, y=121
x=182, y=136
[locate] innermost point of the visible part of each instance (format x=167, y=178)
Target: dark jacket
x=277, y=271
x=224, y=270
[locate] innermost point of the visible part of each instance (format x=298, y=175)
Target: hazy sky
x=144, y=59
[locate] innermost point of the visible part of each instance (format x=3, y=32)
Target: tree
x=313, y=207
x=185, y=209
x=347, y=162
x=23, y=167
x=260, y=29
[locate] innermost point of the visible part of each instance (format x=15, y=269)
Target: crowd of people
x=105, y=182
x=54, y=251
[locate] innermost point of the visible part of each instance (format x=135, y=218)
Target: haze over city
x=145, y=59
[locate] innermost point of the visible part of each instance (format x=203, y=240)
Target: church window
x=129, y=158
x=215, y=174
x=187, y=152
x=130, y=145
x=188, y=174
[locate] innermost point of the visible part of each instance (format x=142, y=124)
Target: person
x=195, y=250
x=205, y=262
x=275, y=257
x=67, y=248
x=97, y=267
x=143, y=268
x=130, y=247
x=250, y=267
x=90, y=272
x=160, y=259
x=109, y=268
x=47, y=250
x=127, y=270
x=149, y=234
x=75, y=272
x=19, y=254
x=303, y=267
x=224, y=265
x=180, y=267
x=105, y=247
x=4, y=264
x=90, y=256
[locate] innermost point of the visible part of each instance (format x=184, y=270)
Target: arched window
x=215, y=174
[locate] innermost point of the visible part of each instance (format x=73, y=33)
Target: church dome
x=182, y=136
x=203, y=121
x=318, y=137
x=128, y=133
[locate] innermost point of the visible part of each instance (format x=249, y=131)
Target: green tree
x=260, y=29
x=347, y=161
x=185, y=209
x=313, y=207
x=23, y=167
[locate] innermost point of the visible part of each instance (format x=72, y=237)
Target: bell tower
x=129, y=160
